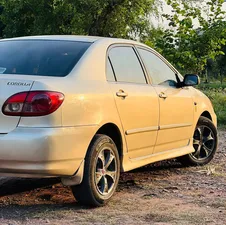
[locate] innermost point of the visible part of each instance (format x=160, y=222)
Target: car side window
x=109, y=73
x=126, y=65
x=160, y=72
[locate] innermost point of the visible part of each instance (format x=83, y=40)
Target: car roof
x=90, y=39
x=59, y=37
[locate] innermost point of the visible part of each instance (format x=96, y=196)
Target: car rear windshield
x=40, y=57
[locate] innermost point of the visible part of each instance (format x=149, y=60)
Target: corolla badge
x=18, y=84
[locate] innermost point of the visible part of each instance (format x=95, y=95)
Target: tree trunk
x=222, y=76
x=207, y=77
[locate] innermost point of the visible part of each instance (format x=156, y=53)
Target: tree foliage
x=217, y=68
x=187, y=46
x=116, y=18
x=2, y=26
x=190, y=48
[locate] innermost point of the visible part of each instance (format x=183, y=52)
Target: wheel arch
x=109, y=129
x=112, y=130
x=207, y=115
x=204, y=113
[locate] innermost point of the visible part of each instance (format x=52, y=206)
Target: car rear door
x=136, y=100
x=176, y=104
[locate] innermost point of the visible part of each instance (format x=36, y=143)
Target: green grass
x=211, y=86
x=217, y=94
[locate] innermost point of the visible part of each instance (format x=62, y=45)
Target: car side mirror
x=191, y=80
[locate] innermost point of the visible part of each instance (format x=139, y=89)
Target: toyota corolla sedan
x=87, y=108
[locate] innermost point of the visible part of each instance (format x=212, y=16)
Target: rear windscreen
x=40, y=57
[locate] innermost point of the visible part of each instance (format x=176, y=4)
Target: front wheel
x=205, y=143
x=101, y=173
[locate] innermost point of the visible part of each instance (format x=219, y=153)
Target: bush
x=218, y=97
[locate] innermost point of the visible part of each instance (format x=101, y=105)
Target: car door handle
x=121, y=94
x=163, y=95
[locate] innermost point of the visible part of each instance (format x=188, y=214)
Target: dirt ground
x=161, y=194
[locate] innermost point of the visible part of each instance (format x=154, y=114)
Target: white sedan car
x=85, y=108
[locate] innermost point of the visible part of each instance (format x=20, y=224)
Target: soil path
x=160, y=194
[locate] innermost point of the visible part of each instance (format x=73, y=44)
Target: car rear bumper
x=44, y=152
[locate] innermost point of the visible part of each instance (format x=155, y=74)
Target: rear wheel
x=205, y=143
x=101, y=173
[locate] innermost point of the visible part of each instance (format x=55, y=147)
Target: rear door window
x=126, y=65
x=40, y=57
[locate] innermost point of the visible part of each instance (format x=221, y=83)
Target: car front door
x=136, y=101
x=176, y=104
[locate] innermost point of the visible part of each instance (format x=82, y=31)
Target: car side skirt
x=130, y=164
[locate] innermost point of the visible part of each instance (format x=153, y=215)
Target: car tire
x=205, y=142
x=101, y=173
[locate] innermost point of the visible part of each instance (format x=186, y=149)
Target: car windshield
x=40, y=57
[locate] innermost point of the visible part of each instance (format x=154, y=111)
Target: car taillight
x=33, y=103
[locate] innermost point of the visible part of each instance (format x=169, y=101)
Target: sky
x=167, y=10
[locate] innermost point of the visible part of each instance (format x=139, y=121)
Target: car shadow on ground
x=10, y=187
x=23, y=212
x=14, y=208
x=160, y=166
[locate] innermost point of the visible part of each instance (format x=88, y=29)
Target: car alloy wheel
x=204, y=142
x=106, y=170
x=101, y=172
